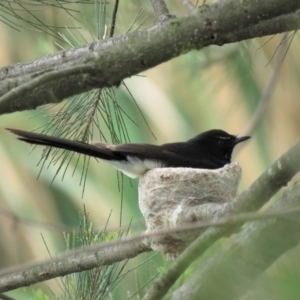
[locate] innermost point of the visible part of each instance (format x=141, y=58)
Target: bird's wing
x=161, y=154
x=170, y=155
x=141, y=151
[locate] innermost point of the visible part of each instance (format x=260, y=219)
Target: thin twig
x=267, y=93
x=114, y=18
x=18, y=220
x=30, y=222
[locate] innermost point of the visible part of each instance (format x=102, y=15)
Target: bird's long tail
x=52, y=141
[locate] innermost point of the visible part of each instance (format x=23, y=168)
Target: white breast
x=135, y=167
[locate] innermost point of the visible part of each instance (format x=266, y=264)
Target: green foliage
x=97, y=283
x=40, y=295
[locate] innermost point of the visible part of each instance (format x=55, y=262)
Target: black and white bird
x=209, y=150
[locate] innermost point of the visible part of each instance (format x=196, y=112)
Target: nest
x=172, y=197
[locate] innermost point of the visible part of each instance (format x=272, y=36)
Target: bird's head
x=219, y=144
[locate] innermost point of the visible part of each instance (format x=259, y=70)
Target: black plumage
x=209, y=150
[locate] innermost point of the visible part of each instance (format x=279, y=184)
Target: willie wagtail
x=209, y=150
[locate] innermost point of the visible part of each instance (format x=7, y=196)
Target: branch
x=109, y=253
x=279, y=24
x=17, y=220
x=161, y=11
x=75, y=261
x=114, y=18
x=267, y=93
x=84, y=68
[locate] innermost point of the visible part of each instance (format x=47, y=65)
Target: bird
x=208, y=150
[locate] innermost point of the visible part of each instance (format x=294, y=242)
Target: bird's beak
x=241, y=139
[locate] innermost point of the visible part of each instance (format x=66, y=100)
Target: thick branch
x=66, y=264
x=280, y=24
x=85, y=258
x=107, y=63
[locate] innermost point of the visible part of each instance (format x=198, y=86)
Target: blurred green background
x=217, y=87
